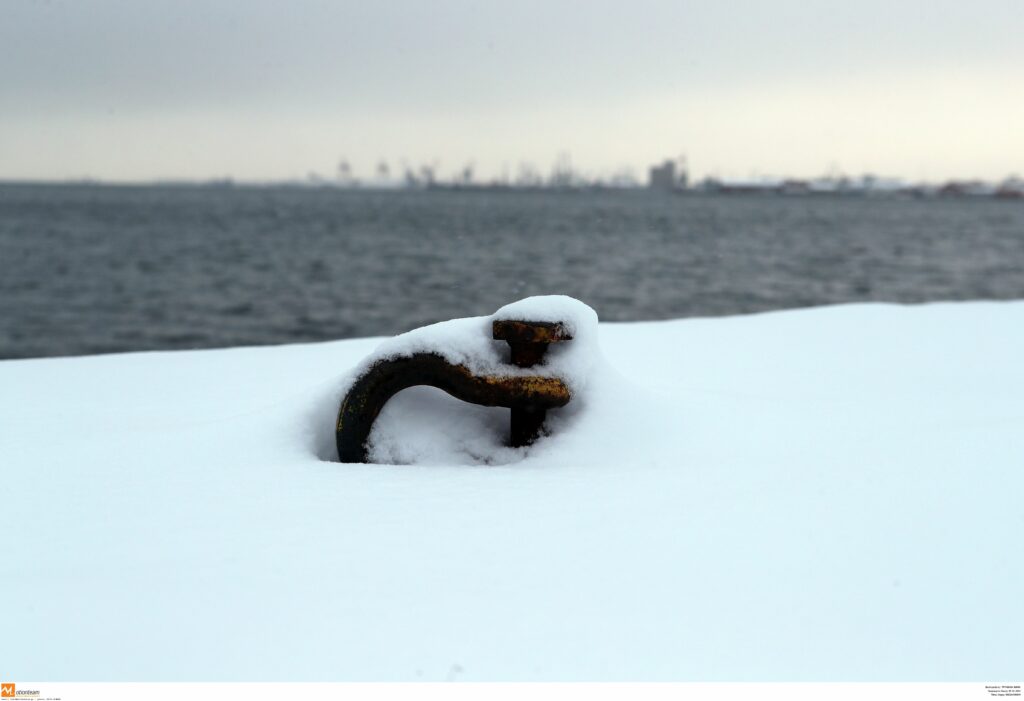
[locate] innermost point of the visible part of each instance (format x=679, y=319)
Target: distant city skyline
x=118, y=91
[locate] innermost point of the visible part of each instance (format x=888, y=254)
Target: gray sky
x=254, y=89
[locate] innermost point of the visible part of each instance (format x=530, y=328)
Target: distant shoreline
x=1010, y=190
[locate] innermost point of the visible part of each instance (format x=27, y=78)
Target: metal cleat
x=529, y=397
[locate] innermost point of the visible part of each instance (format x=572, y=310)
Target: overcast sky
x=261, y=89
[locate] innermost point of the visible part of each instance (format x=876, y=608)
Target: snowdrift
x=829, y=494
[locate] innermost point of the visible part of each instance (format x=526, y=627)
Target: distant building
x=968, y=188
x=663, y=178
x=792, y=186
x=1012, y=189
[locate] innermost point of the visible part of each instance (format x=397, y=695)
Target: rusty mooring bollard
x=529, y=397
x=529, y=342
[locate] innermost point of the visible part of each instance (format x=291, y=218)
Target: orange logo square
x=7, y=690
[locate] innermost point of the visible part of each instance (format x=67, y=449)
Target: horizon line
x=317, y=180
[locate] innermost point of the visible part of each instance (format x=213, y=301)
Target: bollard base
x=527, y=424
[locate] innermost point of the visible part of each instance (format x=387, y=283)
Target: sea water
x=91, y=269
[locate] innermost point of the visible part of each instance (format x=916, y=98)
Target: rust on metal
x=528, y=396
x=529, y=342
x=530, y=331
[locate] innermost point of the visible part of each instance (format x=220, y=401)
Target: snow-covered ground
x=831, y=494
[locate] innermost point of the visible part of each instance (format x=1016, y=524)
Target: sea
x=88, y=268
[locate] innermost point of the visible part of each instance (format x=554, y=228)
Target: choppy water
x=89, y=269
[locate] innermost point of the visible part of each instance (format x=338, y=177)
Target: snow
x=818, y=495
